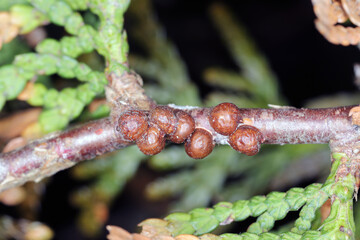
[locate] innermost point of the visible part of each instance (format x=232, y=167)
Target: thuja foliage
x=270, y=208
x=254, y=86
x=59, y=57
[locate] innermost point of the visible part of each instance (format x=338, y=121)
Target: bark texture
x=45, y=157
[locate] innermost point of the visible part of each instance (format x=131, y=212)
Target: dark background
x=305, y=63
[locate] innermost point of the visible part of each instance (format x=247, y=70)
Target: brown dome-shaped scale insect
x=164, y=117
x=224, y=118
x=185, y=126
x=152, y=141
x=246, y=139
x=132, y=124
x=200, y=144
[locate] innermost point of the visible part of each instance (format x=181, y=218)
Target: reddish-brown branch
x=47, y=156
x=289, y=125
x=294, y=126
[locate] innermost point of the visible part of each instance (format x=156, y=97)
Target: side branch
x=59, y=151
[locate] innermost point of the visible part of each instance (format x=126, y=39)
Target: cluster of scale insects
x=150, y=130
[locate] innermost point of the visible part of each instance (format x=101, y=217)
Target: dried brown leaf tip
x=325, y=210
x=13, y=196
x=96, y=103
x=332, y=12
x=186, y=237
x=14, y=143
x=27, y=92
x=247, y=140
x=14, y=125
x=8, y=28
x=118, y=233
x=154, y=228
x=152, y=233
x=355, y=115
x=37, y=230
x=352, y=9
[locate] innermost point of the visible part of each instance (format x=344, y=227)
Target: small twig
x=45, y=157
x=56, y=152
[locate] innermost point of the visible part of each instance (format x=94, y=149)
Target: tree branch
x=55, y=152
x=45, y=157
x=297, y=126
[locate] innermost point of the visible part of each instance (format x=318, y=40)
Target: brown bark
x=47, y=156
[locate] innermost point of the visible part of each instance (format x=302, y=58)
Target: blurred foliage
x=59, y=57
x=23, y=229
x=39, y=78
x=10, y=50
x=110, y=174
x=256, y=78
x=269, y=209
x=162, y=63
x=66, y=77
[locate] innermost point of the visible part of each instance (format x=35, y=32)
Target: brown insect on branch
x=137, y=119
x=56, y=152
